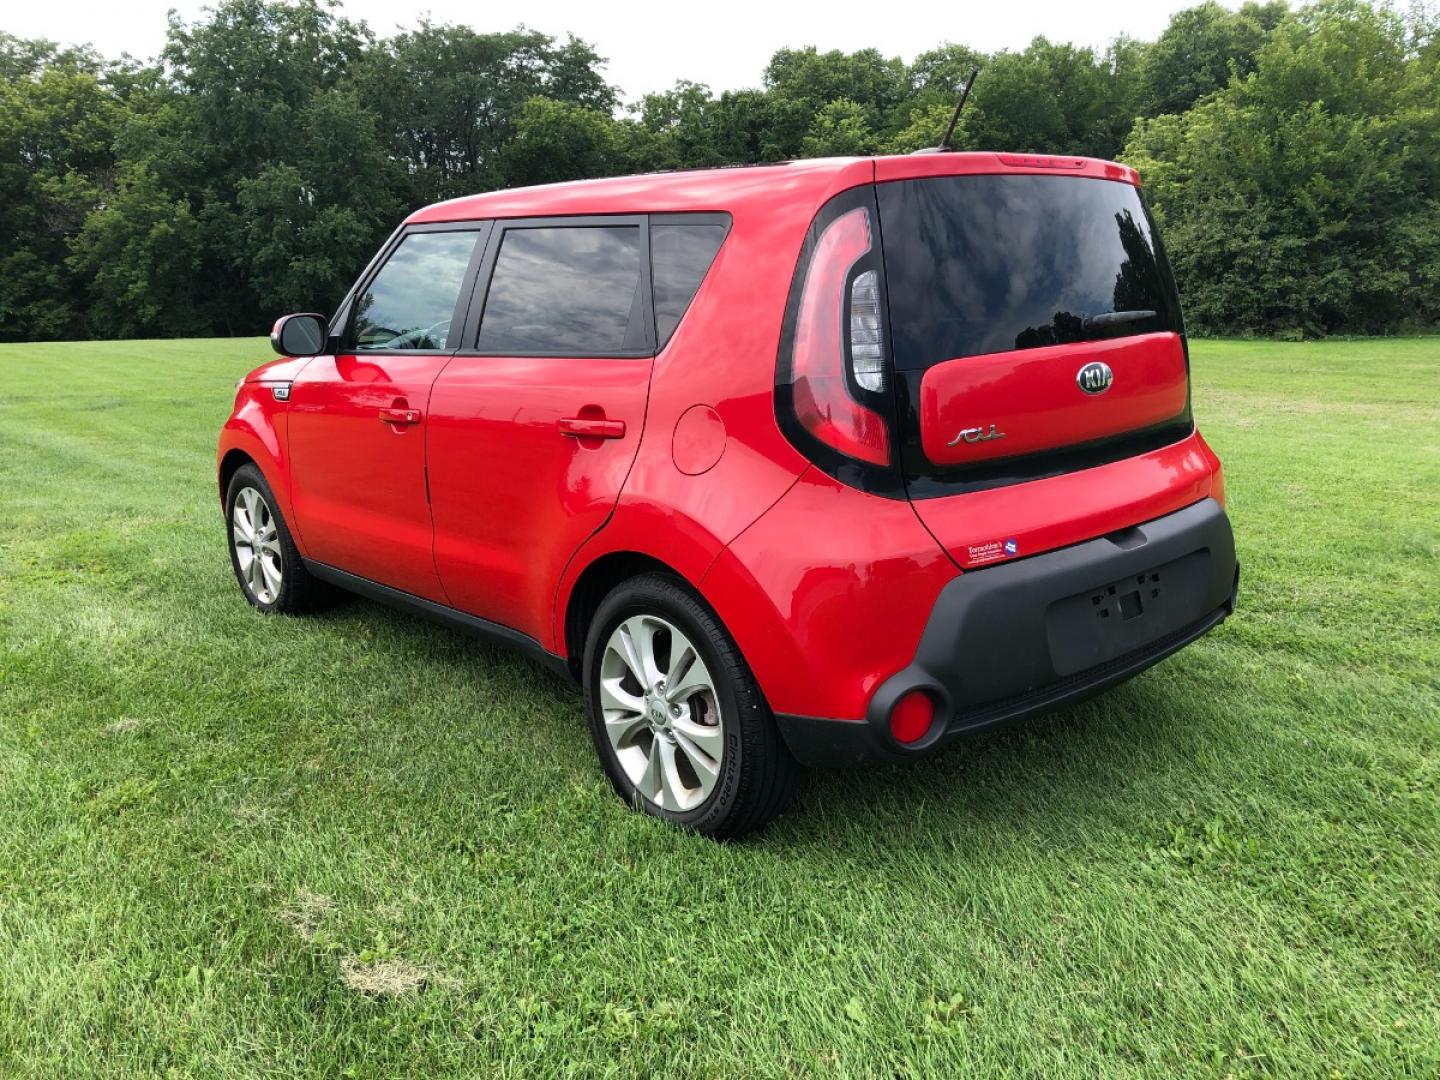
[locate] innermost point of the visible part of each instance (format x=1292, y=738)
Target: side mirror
x=300, y=335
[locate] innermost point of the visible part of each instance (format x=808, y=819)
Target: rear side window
x=565, y=291
x=985, y=264
x=409, y=304
x=680, y=255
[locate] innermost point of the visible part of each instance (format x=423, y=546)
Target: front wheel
x=267, y=564
x=678, y=720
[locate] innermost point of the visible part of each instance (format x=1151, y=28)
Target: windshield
x=986, y=264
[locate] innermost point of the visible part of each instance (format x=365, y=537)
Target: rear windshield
x=985, y=264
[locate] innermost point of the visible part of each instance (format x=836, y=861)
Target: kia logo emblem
x=1095, y=377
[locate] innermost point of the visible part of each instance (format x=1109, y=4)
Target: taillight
x=838, y=339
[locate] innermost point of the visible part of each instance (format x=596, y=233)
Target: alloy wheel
x=661, y=713
x=256, y=539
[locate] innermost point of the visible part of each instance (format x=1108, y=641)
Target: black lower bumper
x=1017, y=639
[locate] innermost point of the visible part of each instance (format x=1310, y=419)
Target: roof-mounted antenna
x=945, y=144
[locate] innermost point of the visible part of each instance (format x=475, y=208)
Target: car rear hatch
x=1035, y=333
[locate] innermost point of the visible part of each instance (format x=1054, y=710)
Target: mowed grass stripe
x=232, y=845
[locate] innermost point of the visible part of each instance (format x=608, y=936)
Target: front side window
x=565, y=291
x=409, y=304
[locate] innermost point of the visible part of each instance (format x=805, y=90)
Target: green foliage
x=141, y=255
x=558, y=140
x=257, y=163
x=675, y=129
x=1305, y=198
x=449, y=100
x=803, y=82
x=1048, y=97
x=57, y=122
x=841, y=128
x=943, y=72
x=1201, y=49
x=926, y=128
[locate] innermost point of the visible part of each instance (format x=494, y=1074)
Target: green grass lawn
x=357, y=844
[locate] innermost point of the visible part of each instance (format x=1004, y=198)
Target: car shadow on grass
x=1049, y=776
x=1058, y=782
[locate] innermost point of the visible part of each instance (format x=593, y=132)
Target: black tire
x=299, y=591
x=757, y=775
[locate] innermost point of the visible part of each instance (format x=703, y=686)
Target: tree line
x=1292, y=157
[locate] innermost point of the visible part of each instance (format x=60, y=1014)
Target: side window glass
x=566, y=291
x=409, y=303
x=679, y=257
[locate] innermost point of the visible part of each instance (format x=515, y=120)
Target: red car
x=812, y=463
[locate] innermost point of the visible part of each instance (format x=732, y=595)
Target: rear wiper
x=1115, y=318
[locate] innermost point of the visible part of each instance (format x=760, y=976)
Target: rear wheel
x=677, y=718
x=266, y=562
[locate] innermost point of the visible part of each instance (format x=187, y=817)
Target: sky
x=651, y=45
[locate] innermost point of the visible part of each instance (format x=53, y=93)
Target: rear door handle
x=400, y=416
x=584, y=427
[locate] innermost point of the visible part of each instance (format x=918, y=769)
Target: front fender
x=258, y=428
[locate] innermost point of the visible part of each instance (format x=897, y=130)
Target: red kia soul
x=812, y=463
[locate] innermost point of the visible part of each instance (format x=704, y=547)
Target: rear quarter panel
x=827, y=595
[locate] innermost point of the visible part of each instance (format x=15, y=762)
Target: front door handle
x=400, y=416
x=585, y=427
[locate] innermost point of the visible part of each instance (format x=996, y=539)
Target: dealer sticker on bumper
x=992, y=551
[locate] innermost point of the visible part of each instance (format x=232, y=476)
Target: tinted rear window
x=985, y=264
x=679, y=256
x=566, y=291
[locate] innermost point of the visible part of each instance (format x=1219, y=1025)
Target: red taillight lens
x=911, y=717
x=829, y=311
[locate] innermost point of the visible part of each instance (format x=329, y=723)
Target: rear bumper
x=1018, y=639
